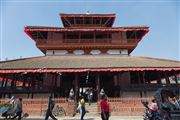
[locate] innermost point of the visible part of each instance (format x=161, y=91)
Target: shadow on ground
x=79, y=119
x=50, y=119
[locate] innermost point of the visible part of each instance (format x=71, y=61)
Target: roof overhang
x=88, y=70
x=84, y=63
x=33, y=31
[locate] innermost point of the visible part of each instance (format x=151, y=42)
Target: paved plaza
x=86, y=118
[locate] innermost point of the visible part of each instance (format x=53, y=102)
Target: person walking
x=81, y=108
x=105, y=111
x=90, y=97
x=71, y=95
x=18, y=109
x=51, y=105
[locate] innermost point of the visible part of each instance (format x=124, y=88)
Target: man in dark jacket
x=51, y=104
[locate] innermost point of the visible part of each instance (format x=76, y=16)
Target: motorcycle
x=150, y=114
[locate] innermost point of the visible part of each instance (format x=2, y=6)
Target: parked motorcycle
x=166, y=109
x=150, y=114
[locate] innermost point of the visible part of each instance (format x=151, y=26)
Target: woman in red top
x=104, y=108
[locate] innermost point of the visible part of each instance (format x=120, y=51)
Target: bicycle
x=59, y=111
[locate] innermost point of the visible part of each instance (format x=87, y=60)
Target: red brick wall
x=118, y=106
x=37, y=107
x=126, y=106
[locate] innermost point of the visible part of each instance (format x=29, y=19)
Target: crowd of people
x=105, y=110
x=102, y=97
x=17, y=106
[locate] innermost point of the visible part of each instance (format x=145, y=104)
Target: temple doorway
x=87, y=85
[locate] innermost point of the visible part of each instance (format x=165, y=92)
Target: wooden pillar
x=24, y=80
x=15, y=81
x=53, y=76
x=60, y=85
x=139, y=78
x=115, y=85
x=159, y=82
x=60, y=80
x=38, y=81
x=175, y=77
x=5, y=85
x=55, y=85
x=32, y=95
x=76, y=87
x=115, y=80
x=2, y=83
x=3, y=80
x=29, y=85
x=32, y=85
x=144, y=83
x=149, y=81
x=32, y=81
x=65, y=39
x=97, y=84
x=29, y=82
x=52, y=82
x=79, y=40
x=94, y=37
x=12, y=81
x=119, y=84
x=143, y=77
x=56, y=80
x=167, y=78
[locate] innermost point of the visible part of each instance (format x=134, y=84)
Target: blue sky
x=162, y=41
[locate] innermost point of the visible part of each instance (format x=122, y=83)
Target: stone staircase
x=92, y=109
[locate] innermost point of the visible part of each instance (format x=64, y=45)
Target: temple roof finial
x=87, y=12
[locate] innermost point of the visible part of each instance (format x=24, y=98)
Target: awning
x=86, y=70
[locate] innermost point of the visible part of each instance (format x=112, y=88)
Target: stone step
x=92, y=109
x=88, y=114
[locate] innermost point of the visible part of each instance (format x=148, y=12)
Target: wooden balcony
x=84, y=41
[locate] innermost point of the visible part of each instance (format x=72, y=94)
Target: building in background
x=87, y=53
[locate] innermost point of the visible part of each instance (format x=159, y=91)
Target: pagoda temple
x=87, y=53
